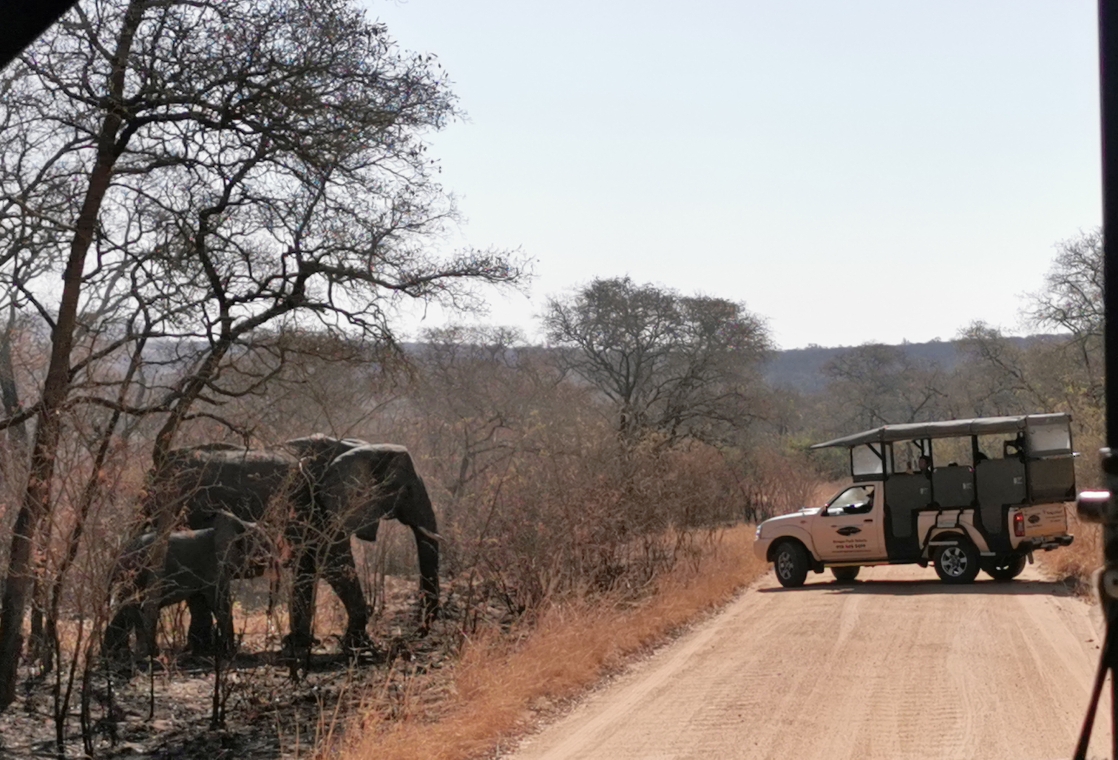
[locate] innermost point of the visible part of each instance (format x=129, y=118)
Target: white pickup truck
x=963, y=495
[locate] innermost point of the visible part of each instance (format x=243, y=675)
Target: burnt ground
x=167, y=711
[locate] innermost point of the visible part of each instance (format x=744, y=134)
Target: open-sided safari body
x=963, y=495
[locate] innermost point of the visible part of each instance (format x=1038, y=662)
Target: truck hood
x=792, y=515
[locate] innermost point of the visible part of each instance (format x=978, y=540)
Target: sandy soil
x=894, y=666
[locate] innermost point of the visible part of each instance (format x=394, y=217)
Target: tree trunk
x=37, y=495
x=36, y=499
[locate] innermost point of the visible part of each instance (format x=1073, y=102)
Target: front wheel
x=790, y=564
x=958, y=563
x=845, y=574
x=1005, y=567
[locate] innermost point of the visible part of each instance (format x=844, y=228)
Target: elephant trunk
x=424, y=527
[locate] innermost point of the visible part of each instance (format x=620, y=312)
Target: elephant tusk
x=429, y=534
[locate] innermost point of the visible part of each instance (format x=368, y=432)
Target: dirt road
x=894, y=666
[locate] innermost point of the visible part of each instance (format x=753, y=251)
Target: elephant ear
x=229, y=531
x=245, y=546
x=361, y=486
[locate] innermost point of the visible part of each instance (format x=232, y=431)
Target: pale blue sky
x=851, y=170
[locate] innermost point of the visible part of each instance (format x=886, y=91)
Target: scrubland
x=565, y=549
x=505, y=679
x=1076, y=564
x=566, y=569
x=567, y=512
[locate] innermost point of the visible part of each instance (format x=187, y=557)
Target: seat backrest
x=905, y=494
x=999, y=482
x=953, y=486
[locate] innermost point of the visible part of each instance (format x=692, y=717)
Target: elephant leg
x=148, y=622
x=199, y=637
x=428, y=549
x=302, y=600
x=119, y=628
x=341, y=573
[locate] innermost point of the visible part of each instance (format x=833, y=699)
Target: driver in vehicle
x=856, y=501
x=924, y=466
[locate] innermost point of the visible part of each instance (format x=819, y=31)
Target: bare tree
x=35, y=201
x=478, y=388
x=677, y=365
x=1002, y=377
x=37, y=497
x=1071, y=302
x=875, y=384
x=230, y=171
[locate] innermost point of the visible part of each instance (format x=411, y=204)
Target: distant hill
x=801, y=369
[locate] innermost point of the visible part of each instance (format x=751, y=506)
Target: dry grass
x=1080, y=560
x=500, y=682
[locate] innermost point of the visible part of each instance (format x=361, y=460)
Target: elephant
x=325, y=490
x=197, y=568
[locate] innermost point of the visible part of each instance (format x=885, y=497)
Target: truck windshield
x=852, y=501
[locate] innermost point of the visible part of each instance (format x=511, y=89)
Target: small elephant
x=197, y=569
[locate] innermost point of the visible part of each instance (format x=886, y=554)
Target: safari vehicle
x=963, y=495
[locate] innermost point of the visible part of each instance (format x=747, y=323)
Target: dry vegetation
x=1076, y=564
x=502, y=681
x=566, y=548
x=561, y=543
x=558, y=525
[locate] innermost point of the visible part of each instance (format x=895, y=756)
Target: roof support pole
x=1103, y=506
x=1108, y=85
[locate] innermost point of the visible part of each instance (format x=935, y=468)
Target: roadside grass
x=503, y=681
x=1075, y=564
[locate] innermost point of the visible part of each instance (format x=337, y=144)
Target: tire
x=845, y=574
x=958, y=563
x=1005, y=567
x=790, y=564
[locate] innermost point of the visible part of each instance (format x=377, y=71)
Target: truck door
x=850, y=527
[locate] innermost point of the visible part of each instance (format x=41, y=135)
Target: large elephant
x=198, y=567
x=324, y=490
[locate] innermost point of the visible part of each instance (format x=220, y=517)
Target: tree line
x=1058, y=368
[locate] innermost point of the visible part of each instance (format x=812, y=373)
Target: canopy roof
x=948, y=428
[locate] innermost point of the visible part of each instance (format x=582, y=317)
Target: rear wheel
x=790, y=564
x=845, y=574
x=957, y=563
x=1005, y=567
